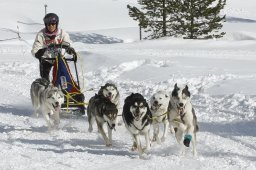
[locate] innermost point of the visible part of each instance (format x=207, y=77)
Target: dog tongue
x=57, y=109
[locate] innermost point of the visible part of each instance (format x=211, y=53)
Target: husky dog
x=110, y=91
x=102, y=110
x=182, y=118
x=137, y=118
x=158, y=106
x=47, y=99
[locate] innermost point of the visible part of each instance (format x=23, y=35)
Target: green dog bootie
x=187, y=140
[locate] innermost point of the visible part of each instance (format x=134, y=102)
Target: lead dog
x=47, y=99
x=103, y=111
x=158, y=106
x=137, y=119
x=182, y=118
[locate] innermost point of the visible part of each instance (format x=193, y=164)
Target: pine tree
x=196, y=19
x=193, y=19
x=154, y=17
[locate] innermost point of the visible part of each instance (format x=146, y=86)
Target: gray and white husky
x=47, y=99
x=158, y=106
x=110, y=91
x=182, y=118
x=103, y=111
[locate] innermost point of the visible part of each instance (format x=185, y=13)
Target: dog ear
x=186, y=91
x=186, y=87
x=175, y=86
x=49, y=95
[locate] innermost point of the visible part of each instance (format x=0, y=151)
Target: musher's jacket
x=42, y=41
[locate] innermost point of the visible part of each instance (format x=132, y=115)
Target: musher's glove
x=70, y=50
x=40, y=53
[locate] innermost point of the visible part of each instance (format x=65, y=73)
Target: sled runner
x=62, y=77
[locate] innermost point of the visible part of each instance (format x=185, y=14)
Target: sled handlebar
x=53, y=59
x=61, y=45
x=65, y=46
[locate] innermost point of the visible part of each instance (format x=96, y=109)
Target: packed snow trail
x=222, y=94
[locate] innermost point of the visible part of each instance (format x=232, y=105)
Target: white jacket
x=42, y=41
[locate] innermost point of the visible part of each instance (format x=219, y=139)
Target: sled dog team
x=174, y=111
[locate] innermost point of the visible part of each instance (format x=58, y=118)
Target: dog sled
x=62, y=77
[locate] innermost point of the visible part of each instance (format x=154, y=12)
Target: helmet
x=51, y=18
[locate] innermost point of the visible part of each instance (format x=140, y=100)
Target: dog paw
x=144, y=156
x=146, y=149
x=187, y=140
x=90, y=129
x=162, y=139
x=108, y=145
x=134, y=147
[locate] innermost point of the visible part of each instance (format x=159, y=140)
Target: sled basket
x=62, y=77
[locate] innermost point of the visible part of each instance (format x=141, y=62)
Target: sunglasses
x=51, y=24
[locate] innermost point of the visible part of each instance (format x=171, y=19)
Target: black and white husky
x=47, y=99
x=182, y=118
x=137, y=118
x=158, y=106
x=103, y=111
x=109, y=90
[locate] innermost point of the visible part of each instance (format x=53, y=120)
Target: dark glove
x=40, y=53
x=70, y=50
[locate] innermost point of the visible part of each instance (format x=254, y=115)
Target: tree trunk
x=140, y=33
x=164, y=19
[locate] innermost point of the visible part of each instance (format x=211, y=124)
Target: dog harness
x=155, y=117
x=145, y=124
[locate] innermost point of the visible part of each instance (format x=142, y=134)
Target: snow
x=220, y=74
